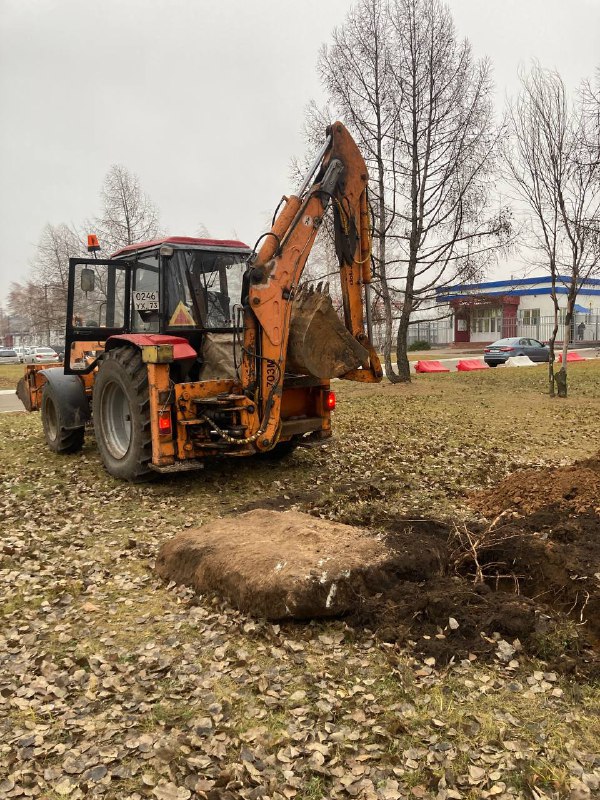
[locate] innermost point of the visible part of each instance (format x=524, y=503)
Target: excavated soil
x=534, y=566
x=559, y=491
x=525, y=576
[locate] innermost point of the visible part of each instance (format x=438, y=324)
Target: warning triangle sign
x=181, y=317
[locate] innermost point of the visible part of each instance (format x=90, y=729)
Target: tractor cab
x=177, y=286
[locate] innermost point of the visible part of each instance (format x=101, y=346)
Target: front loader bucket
x=319, y=344
x=23, y=393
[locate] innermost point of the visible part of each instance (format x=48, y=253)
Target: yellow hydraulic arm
x=341, y=181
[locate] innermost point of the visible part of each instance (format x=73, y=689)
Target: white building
x=484, y=312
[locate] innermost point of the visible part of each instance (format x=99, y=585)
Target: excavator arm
x=340, y=181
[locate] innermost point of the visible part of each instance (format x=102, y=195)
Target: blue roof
x=446, y=298
x=465, y=287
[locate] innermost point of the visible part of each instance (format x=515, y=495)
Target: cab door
x=98, y=306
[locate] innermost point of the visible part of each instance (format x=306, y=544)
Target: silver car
x=41, y=355
x=499, y=352
x=8, y=356
x=20, y=350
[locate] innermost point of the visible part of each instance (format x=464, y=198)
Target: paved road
x=9, y=401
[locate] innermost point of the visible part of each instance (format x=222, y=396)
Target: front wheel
x=121, y=413
x=58, y=438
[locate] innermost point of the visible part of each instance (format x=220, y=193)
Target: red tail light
x=507, y=349
x=330, y=401
x=164, y=423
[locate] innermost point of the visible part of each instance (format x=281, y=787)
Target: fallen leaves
x=113, y=685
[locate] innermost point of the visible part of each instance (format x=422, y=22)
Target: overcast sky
x=203, y=99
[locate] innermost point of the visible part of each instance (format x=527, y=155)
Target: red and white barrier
x=571, y=357
x=430, y=366
x=470, y=365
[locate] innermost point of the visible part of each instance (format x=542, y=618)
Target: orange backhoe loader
x=182, y=349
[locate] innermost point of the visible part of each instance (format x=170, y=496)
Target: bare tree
x=28, y=302
x=5, y=328
x=128, y=214
x=420, y=108
x=355, y=70
x=202, y=232
x=42, y=300
x=444, y=159
x=553, y=163
x=58, y=243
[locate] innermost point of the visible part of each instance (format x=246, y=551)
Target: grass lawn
x=113, y=684
x=10, y=374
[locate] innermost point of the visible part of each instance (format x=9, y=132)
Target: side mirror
x=88, y=280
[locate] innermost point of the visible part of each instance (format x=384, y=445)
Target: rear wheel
x=121, y=413
x=58, y=438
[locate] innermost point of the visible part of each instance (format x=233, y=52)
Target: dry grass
x=76, y=567
x=10, y=374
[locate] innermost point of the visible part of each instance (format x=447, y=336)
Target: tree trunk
x=561, y=375
x=403, y=364
x=561, y=381
x=385, y=291
x=551, y=345
x=388, y=328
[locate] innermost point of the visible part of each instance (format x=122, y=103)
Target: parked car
x=60, y=349
x=20, y=350
x=499, y=352
x=41, y=355
x=8, y=356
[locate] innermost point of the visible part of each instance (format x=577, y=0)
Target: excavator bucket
x=319, y=344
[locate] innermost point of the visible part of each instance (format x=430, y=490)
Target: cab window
x=204, y=288
x=145, y=303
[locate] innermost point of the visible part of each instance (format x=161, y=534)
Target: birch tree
x=554, y=165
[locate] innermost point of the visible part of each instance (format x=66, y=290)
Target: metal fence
x=436, y=332
x=584, y=328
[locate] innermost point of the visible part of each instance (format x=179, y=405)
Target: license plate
x=145, y=301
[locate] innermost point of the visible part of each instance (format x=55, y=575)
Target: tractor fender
x=182, y=349
x=70, y=397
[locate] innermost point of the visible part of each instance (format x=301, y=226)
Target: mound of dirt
x=546, y=530
x=574, y=488
x=278, y=565
x=521, y=580
x=447, y=589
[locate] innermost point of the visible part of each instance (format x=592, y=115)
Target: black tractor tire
x=121, y=414
x=59, y=439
